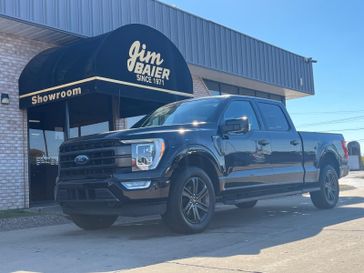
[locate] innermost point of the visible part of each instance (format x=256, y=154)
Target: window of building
x=130, y=122
x=229, y=89
x=275, y=97
x=246, y=92
x=262, y=95
x=217, y=88
x=239, y=109
x=273, y=117
x=213, y=87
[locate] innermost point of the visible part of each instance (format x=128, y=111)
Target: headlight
x=146, y=153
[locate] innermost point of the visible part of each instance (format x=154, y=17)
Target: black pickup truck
x=186, y=156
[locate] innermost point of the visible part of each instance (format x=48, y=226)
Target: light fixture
x=137, y=185
x=5, y=98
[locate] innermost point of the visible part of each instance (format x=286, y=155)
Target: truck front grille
x=77, y=193
x=102, y=157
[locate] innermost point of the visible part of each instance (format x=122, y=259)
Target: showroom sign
x=53, y=96
x=134, y=61
x=146, y=65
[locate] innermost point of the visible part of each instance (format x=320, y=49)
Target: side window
x=238, y=109
x=273, y=117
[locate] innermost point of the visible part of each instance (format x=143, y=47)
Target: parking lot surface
x=280, y=235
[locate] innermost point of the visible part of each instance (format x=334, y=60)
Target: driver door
x=246, y=156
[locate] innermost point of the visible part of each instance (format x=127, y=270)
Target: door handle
x=294, y=142
x=263, y=142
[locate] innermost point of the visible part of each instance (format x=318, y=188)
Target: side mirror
x=239, y=125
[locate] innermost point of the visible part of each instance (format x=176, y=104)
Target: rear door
x=286, y=158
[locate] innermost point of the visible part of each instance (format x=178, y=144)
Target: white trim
x=144, y=86
x=106, y=80
x=56, y=87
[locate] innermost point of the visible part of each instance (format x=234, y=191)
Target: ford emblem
x=81, y=159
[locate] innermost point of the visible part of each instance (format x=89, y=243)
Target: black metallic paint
x=285, y=162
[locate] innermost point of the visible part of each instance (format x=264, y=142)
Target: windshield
x=194, y=111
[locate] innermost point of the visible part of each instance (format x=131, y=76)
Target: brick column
x=15, y=53
x=199, y=87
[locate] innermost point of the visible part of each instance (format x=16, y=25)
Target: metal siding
x=206, y=39
x=201, y=42
x=181, y=33
x=218, y=47
x=276, y=70
x=212, y=46
x=254, y=58
x=195, y=44
x=295, y=76
x=166, y=22
x=238, y=56
x=280, y=67
x=229, y=62
x=285, y=79
x=268, y=64
x=189, y=46
x=246, y=55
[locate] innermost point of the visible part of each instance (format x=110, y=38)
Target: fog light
x=136, y=185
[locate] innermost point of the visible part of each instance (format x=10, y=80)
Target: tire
x=191, y=202
x=93, y=222
x=247, y=205
x=328, y=195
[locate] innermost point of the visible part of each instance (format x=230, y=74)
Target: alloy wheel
x=195, y=200
x=331, y=187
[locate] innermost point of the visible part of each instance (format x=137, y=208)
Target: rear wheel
x=328, y=195
x=247, y=205
x=92, y=222
x=191, y=202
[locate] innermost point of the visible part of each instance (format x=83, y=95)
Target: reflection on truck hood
x=147, y=132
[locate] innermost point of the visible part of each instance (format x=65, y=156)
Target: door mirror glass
x=238, y=125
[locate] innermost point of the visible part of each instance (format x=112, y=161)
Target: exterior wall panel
x=202, y=42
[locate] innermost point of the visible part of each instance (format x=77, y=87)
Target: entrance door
x=88, y=115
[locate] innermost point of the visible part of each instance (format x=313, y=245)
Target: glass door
x=46, y=134
x=46, y=129
x=43, y=156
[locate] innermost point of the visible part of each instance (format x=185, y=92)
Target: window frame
x=222, y=117
x=266, y=128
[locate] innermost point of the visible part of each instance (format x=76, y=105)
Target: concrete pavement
x=280, y=235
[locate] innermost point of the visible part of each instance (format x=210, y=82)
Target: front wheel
x=191, y=203
x=328, y=195
x=93, y=222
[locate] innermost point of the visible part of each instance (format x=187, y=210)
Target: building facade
x=219, y=59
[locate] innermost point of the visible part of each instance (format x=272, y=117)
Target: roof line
x=231, y=29
x=31, y=23
x=162, y=3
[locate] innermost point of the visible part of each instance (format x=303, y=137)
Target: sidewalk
x=34, y=217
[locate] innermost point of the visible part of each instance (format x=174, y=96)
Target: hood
x=148, y=132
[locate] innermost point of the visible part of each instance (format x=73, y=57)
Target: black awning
x=135, y=62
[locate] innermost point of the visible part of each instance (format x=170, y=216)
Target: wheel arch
x=329, y=158
x=201, y=158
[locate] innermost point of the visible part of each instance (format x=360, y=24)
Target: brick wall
x=15, y=53
x=199, y=87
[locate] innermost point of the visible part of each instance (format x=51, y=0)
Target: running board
x=239, y=196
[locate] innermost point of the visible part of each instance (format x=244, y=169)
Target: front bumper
x=109, y=197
